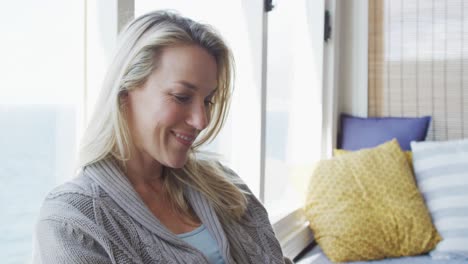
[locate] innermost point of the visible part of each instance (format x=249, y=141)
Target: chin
x=177, y=164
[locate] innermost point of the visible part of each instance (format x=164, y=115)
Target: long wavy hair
x=107, y=135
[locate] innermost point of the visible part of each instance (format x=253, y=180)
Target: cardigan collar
x=107, y=174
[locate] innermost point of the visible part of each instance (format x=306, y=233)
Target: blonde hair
x=107, y=135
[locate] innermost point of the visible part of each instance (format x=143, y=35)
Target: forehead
x=187, y=63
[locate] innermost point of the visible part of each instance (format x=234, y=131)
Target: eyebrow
x=188, y=85
x=194, y=87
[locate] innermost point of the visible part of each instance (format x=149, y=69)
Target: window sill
x=293, y=233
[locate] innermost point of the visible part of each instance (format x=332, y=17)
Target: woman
x=143, y=194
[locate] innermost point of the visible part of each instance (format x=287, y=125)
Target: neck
x=143, y=170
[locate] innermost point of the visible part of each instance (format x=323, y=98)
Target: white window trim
x=263, y=105
x=331, y=62
x=353, y=78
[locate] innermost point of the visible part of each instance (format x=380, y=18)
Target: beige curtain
x=418, y=60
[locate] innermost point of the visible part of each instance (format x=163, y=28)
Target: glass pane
x=42, y=77
x=294, y=102
x=244, y=37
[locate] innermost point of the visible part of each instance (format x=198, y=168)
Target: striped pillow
x=441, y=170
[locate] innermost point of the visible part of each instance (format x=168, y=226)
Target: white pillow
x=441, y=170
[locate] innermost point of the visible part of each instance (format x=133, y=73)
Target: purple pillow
x=358, y=133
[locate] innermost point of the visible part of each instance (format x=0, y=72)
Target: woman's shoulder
x=74, y=197
x=81, y=186
x=67, y=228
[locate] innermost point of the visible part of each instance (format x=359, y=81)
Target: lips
x=184, y=138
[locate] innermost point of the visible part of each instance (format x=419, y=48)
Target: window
x=294, y=103
x=40, y=111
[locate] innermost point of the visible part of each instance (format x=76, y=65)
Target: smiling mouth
x=184, y=139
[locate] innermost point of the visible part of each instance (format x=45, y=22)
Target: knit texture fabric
x=99, y=218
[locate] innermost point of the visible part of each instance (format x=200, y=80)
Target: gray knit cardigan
x=99, y=218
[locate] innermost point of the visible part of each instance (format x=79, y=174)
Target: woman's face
x=167, y=113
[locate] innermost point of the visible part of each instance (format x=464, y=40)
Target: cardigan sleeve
x=60, y=242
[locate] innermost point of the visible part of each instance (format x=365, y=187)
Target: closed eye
x=182, y=98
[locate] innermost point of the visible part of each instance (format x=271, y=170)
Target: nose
x=198, y=117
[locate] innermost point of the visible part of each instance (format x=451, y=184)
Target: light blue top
x=202, y=240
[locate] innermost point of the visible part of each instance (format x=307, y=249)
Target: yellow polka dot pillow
x=365, y=205
x=408, y=154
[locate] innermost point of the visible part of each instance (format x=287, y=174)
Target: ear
x=123, y=99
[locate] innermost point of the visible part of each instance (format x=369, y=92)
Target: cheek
x=170, y=115
x=154, y=119
x=144, y=120
x=165, y=120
